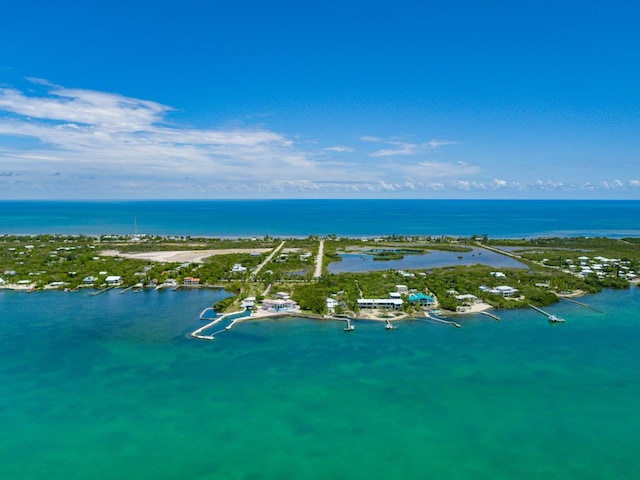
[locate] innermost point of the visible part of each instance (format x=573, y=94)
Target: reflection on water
x=361, y=262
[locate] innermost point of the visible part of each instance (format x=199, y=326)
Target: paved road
x=268, y=259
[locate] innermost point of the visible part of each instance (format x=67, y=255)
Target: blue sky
x=315, y=99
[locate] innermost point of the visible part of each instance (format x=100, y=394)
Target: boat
x=554, y=319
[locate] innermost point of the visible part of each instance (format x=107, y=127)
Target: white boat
x=554, y=319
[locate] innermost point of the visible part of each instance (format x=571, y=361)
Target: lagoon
x=362, y=262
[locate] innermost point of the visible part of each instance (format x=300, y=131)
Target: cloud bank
x=57, y=142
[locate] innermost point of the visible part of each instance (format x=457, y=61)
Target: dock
x=198, y=332
x=495, y=317
x=350, y=327
x=441, y=320
x=582, y=304
x=552, y=318
x=103, y=290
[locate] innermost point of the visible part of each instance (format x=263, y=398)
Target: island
x=384, y=278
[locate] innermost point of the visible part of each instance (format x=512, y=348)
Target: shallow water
x=111, y=387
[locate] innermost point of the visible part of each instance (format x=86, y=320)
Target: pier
x=495, y=317
x=552, y=318
x=103, y=290
x=581, y=304
x=349, y=327
x=198, y=333
x=441, y=320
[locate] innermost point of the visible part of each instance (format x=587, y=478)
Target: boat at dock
x=554, y=319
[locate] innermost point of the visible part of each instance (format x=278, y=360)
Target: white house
x=248, y=302
x=113, y=280
x=506, y=290
x=279, y=305
x=238, y=268
x=375, y=303
x=467, y=299
x=332, y=303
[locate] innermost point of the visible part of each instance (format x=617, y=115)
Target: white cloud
x=338, y=148
x=75, y=143
x=400, y=147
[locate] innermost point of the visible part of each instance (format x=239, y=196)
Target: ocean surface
x=247, y=218
x=111, y=386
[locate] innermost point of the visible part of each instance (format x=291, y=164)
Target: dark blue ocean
x=247, y=218
x=112, y=387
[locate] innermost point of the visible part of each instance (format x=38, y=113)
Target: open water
x=247, y=218
x=111, y=387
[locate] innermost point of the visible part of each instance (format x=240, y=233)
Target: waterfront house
x=113, y=280
x=421, y=299
x=504, y=290
x=89, y=280
x=279, y=305
x=467, y=299
x=377, y=303
x=248, y=302
x=332, y=303
x=191, y=281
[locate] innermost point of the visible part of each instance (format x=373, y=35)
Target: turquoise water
x=110, y=387
x=246, y=218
